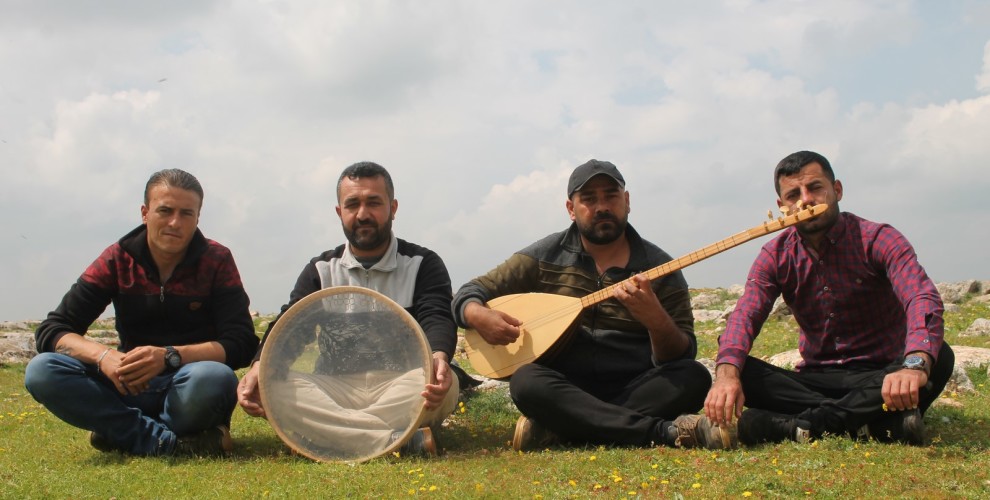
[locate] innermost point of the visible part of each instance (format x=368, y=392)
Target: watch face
x=914, y=362
x=172, y=358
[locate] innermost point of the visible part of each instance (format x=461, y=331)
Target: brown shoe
x=530, y=435
x=696, y=431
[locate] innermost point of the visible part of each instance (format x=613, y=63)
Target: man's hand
x=138, y=367
x=248, y=395
x=725, y=399
x=638, y=297
x=108, y=367
x=900, y=389
x=496, y=327
x=436, y=392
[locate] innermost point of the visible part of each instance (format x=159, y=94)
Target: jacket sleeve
x=674, y=296
x=232, y=316
x=431, y=305
x=85, y=301
x=516, y=275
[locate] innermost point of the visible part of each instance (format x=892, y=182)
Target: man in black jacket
x=184, y=327
x=627, y=374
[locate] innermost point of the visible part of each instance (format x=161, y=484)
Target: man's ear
x=570, y=209
x=395, y=208
x=838, y=190
x=144, y=214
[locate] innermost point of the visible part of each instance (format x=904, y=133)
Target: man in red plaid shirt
x=873, y=358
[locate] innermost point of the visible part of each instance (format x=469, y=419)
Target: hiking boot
x=530, y=435
x=215, y=442
x=420, y=444
x=99, y=441
x=762, y=426
x=903, y=426
x=696, y=431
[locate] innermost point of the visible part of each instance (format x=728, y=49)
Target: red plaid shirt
x=864, y=300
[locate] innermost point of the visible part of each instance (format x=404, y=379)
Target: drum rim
x=298, y=307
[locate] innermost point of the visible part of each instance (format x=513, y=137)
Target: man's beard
x=371, y=241
x=602, y=234
x=820, y=224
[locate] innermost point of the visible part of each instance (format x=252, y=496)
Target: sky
x=480, y=111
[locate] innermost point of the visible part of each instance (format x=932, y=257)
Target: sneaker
x=420, y=444
x=99, y=441
x=696, y=431
x=762, y=426
x=903, y=426
x=530, y=435
x=215, y=442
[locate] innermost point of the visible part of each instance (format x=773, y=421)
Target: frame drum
x=341, y=375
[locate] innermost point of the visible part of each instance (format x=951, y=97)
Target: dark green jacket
x=609, y=344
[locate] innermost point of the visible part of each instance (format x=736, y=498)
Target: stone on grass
x=704, y=300
x=786, y=359
x=979, y=328
x=971, y=357
x=954, y=293
x=959, y=381
x=707, y=315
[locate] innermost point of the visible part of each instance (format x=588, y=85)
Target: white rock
x=707, y=315
x=979, y=328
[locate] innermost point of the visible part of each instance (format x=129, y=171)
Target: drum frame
x=301, y=306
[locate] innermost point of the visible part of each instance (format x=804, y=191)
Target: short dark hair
x=366, y=169
x=173, y=177
x=794, y=162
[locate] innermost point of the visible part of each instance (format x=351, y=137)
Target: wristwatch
x=173, y=360
x=916, y=362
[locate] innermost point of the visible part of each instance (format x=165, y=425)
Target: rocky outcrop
x=979, y=328
x=18, y=346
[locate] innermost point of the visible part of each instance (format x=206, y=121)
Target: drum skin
x=341, y=375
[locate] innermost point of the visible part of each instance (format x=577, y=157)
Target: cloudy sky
x=480, y=110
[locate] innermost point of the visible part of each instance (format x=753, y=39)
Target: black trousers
x=630, y=413
x=834, y=400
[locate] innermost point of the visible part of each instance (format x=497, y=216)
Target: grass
x=41, y=457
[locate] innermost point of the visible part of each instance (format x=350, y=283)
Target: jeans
x=198, y=396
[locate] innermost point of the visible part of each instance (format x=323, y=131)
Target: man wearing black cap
x=627, y=374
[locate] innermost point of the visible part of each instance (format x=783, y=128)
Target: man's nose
x=362, y=212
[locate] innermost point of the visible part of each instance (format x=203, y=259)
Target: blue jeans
x=197, y=397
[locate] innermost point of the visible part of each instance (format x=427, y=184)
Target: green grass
x=41, y=457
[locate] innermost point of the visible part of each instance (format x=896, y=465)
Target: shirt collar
x=387, y=263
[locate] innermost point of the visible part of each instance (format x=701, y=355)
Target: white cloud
x=983, y=79
x=480, y=111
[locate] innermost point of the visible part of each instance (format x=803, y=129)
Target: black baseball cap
x=581, y=175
